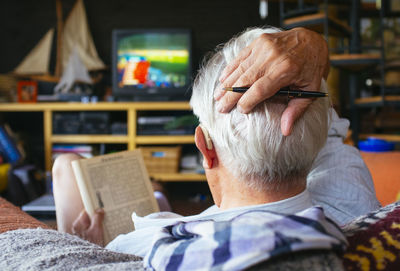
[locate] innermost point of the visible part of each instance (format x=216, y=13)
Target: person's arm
x=297, y=58
x=339, y=180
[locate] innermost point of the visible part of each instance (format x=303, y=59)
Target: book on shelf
x=118, y=183
x=11, y=151
x=155, y=120
x=85, y=151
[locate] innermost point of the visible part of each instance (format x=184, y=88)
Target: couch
x=374, y=244
x=385, y=171
x=12, y=218
x=374, y=239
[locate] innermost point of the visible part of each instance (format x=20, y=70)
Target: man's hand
x=90, y=229
x=298, y=58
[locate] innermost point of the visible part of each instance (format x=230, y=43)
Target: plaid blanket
x=247, y=239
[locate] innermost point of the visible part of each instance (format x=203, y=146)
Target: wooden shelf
x=168, y=139
x=336, y=2
x=377, y=100
x=354, y=62
x=178, y=177
x=393, y=64
x=302, y=12
x=100, y=106
x=131, y=139
x=90, y=139
x=387, y=137
x=316, y=22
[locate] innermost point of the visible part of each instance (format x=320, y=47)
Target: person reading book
x=250, y=165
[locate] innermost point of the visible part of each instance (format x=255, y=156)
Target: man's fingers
x=95, y=232
x=262, y=89
x=294, y=111
x=296, y=108
x=235, y=63
x=97, y=219
x=228, y=101
x=242, y=71
x=245, y=75
x=219, y=92
x=81, y=224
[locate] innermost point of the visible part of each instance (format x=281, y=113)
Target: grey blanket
x=39, y=249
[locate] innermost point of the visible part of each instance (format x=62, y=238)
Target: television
x=151, y=64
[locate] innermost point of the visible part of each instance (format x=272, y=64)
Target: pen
x=296, y=93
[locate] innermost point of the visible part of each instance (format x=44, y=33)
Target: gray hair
x=251, y=145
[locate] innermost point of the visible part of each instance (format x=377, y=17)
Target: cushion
x=12, y=218
x=374, y=240
x=385, y=171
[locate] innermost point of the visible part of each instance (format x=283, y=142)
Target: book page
x=119, y=184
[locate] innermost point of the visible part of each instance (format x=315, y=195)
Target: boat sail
x=76, y=35
x=75, y=39
x=37, y=61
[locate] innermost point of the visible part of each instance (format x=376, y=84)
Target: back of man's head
x=251, y=145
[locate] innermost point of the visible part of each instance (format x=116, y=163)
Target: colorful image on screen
x=153, y=60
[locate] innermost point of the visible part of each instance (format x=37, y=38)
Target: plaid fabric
x=241, y=242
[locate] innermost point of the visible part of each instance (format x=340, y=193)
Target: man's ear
x=205, y=146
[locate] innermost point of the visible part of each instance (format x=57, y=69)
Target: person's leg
x=66, y=193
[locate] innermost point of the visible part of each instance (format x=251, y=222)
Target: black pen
x=295, y=93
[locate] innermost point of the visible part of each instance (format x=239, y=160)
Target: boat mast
x=60, y=26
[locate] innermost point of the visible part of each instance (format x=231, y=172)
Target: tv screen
x=152, y=64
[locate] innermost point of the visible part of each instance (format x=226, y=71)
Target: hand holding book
x=117, y=183
x=90, y=228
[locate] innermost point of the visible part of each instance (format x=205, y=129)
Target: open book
x=119, y=184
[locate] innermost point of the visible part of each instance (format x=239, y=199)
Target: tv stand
x=152, y=98
x=131, y=139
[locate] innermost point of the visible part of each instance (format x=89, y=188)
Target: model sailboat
x=76, y=53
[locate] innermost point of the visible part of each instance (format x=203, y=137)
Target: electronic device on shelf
x=182, y=124
x=151, y=64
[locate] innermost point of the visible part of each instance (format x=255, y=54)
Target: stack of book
x=82, y=150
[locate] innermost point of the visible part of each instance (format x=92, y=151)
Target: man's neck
x=240, y=194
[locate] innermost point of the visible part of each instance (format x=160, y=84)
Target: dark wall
x=24, y=22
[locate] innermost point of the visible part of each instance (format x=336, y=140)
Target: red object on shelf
x=27, y=91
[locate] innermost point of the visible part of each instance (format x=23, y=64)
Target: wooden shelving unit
x=355, y=62
x=131, y=139
x=377, y=100
x=342, y=20
x=317, y=22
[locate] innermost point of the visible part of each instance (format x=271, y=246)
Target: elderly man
x=247, y=160
x=252, y=167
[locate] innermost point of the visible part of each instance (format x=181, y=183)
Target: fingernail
x=222, y=77
x=100, y=210
x=240, y=109
x=220, y=107
x=285, y=130
x=218, y=93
